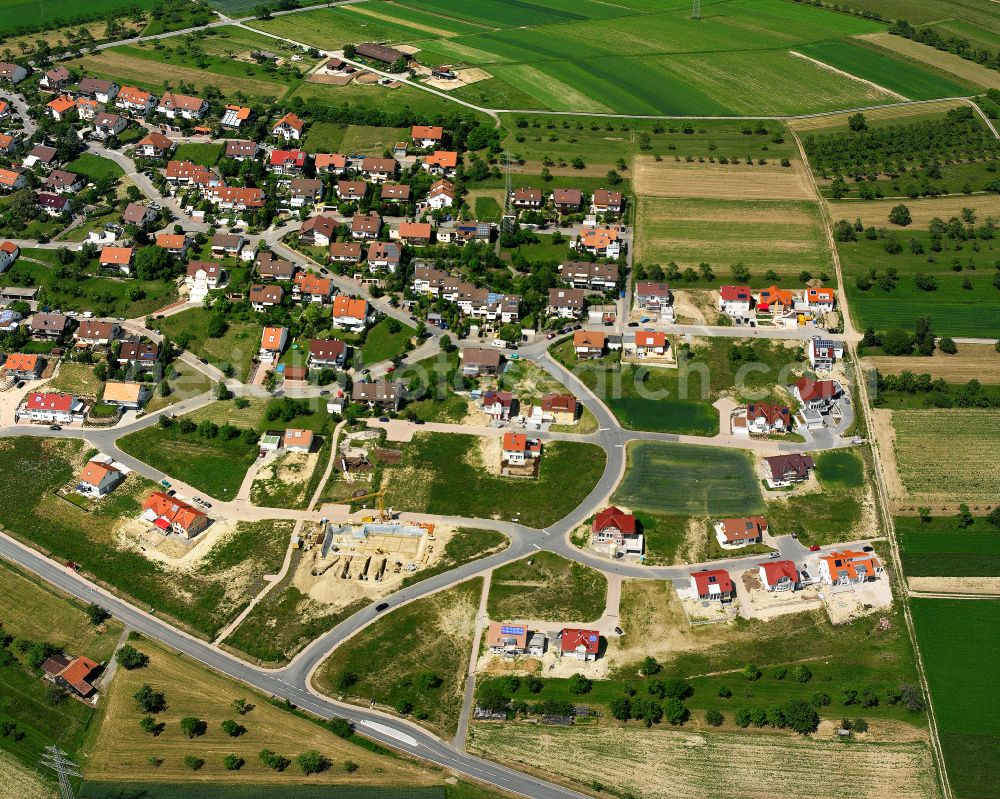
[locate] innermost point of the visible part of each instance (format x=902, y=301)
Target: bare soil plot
x=939, y=59
x=121, y=751
x=922, y=210
x=955, y=585
x=893, y=113
x=972, y=362
x=463, y=77
x=669, y=178
x=735, y=764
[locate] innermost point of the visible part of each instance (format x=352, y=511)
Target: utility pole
x=56, y=759
x=695, y=9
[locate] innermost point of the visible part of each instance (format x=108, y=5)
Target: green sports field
x=689, y=479
x=960, y=642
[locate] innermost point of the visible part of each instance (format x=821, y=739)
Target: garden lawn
x=382, y=345
x=94, y=167
x=548, y=588
x=689, y=479
x=205, y=154
x=960, y=642
x=399, y=661
x=212, y=465
x=442, y=473
x=238, y=346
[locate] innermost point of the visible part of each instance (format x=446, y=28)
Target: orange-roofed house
x=775, y=301
x=77, y=676
x=350, y=313
x=589, y=343
x=131, y=98
x=234, y=116
x=779, y=575
x=175, y=243
x=413, y=232
x=602, y=242
x=98, y=479
x=117, y=259
x=507, y=638
x=11, y=180
x=330, y=162
x=427, y=135
x=518, y=449
x=441, y=162
x=171, y=515
x=8, y=143
x=848, y=567
x=60, y=107
x=555, y=408
x=289, y=128
x=733, y=533
x=272, y=343
x=9, y=253
x=650, y=344
x=23, y=366
x=820, y=300
x=296, y=440
x=312, y=287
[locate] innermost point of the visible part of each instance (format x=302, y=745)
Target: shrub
x=313, y=762
x=674, y=711
x=819, y=699
x=96, y=614
x=232, y=729
x=751, y=673
x=150, y=701
x=350, y=766
x=859, y=725
x=578, y=684
x=232, y=762
x=193, y=763
x=342, y=728
x=801, y=673
x=192, y=726
x=725, y=692
x=273, y=760
x=742, y=717
x=714, y=718
x=650, y=666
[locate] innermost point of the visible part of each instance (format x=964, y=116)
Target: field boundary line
x=982, y=115
x=882, y=491
x=846, y=74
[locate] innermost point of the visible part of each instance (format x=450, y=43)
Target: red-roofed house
x=617, y=528
x=77, y=675
x=579, y=644
x=713, y=584
x=287, y=162
x=732, y=533
x=97, y=479
x=507, y=638
x=172, y=515
x=427, y=135
x=22, y=366
x=350, y=314
x=413, y=232
x=775, y=301
x=816, y=394
x=155, y=145
x=312, y=287
x=735, y=301
x=498, y=404
x=764, y=418
x=53, y=407
x=555, y=408
x=289, y=128
x=824, y=353
x=778, y=575
x=848, y=567
x=518, y=448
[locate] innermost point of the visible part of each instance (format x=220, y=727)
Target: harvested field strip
x=972, y=362
x=893, y=114
x=426, y=18
x=928, y=444
x=552, y=92
x=368, y=12
x=128, y=69
x=692, y=759
x=922, y=210
x=968, y=71
x=669, y=178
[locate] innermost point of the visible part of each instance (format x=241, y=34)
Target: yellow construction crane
x=380, y=496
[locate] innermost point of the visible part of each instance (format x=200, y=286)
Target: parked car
x=633, y=324
x=550, y=335
x=381, y=606
x=383, y=418
x=55, y=427
x=773, y=555
x=867, y=549
x=619, y=631
x=814, y=548
x=419, y=421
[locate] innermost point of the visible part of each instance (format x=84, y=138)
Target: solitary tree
x=313, y=762
x=150, y=701
x=97, y=614
x=193, y=726
x=232, y=762
x=128, y=657
x=900, y=215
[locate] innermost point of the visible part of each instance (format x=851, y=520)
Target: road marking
x=392, y=732
x=536, y=546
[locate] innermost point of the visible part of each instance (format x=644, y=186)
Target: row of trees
x=897, y=341
x=958, y=45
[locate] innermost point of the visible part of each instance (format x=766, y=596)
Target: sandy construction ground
x=939, y=59
x=923, y=210
x=899, y=112
x=745, y=764
x=972, y=362
x=955, y=585
x=770, y=181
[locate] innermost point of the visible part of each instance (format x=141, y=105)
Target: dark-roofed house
x=655, y=298
x=384, y=394
x=61, y=182
x=345, y=252
x=50, y=326
x=263, y=297
x=480, y=361
x=567, y=201
x=241, y=150
x=305, y=191
x=783, y=470
x=271, y=268
x=138, y=214
x=104, y=91
x=366, y=226
x=224, y=244
x=566, y=303
x=143, y=354
x=318, y=230
x=40, y=154
x=527, y=198
x=326, y=353
x=585, y=275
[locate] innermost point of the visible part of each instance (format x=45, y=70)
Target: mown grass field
x=689, y=479
x=959, y=640
x=93, y=167
x=784, y=236
x=549, y=588
x=381, y=344
x=400, y=658
x=120, y=751
x=443, y=474
x=204, y=154
x=237, y=346
x=939, y=548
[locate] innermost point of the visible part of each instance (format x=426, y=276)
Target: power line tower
x=509, y=221
x=56, y=759
x=695, y=9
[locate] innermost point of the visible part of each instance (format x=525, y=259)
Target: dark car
x=578, y=327
x=633, y=324
x=20, y=384
x=619, y=631
x=381, y=606
x=383, y=418
x=418, y=421
x=324, y=393
x=55, y=427
x=867, y=549
x=171, y=492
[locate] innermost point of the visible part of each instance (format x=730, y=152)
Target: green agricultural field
x=895, y=74
x=58, y=13
x=549, y=588
x=331, y=28
x=689, y=479
x=939, y=548
x=212, y=465
x=444, y=474
x=784, y=236
x=382, y=98
x=105, y=296
x=397, y=662
x=94, y=168
x=204, y=154
x=431, y=23
x=238, y=346
x=959, y=640
x=964, y=303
